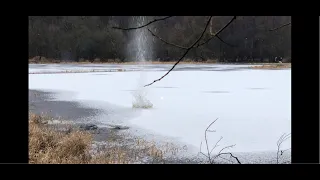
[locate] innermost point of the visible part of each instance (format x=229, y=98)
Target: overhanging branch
x=217, y=34
x=181, y=47
x=284, y=25
x=147, y=24
x=194, y=45
x=185, y=53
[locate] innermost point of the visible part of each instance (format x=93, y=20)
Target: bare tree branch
x=226, y=159
x=231, y=156
x=185, y=53
x=147, y=24
x=181, y=47
x=205, y=136
x=284, y=25
x=216, y=145
x=283, y=138
x=225, y=148
x=216, y=35
x=208, y=155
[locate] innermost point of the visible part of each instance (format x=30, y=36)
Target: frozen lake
x=253, y=106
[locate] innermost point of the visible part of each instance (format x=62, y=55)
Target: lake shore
x=61, y=116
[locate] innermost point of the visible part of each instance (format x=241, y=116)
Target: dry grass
x=48, y=145
x=273, y=66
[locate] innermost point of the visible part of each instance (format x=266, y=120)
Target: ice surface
x=253, y=106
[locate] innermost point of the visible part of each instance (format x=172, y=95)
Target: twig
x=208, y=155
x=216, y=34
x=185, y=53
x=283, y=138
x=227, y=159
x=205, y=136
x=284, y=25
x=181, y=47
x=216, y=145
x=225, y=148
x=153, y=21
x=231, y=156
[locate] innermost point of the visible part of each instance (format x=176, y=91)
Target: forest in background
x=74, y=38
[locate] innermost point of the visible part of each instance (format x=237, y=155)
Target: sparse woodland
x=76, y=38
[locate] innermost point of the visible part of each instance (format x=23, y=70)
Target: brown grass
x=51, y=146
x=47, y=146
x=273, y=66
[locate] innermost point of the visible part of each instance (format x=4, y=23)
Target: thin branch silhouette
x=231, y=156
x=284, y=25
x=283, y=138
x=147, y=24
x=205, y=136
x=216, y=34
x=185, y=53
x=181, y=47
x=209, y=153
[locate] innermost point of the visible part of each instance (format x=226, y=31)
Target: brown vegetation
x=273, y=66
x=48, y=145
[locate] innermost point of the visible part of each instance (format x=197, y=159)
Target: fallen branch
x=147, y=24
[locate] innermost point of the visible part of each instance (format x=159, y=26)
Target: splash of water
x=142, y=51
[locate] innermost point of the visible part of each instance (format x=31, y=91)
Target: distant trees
x=247, y=39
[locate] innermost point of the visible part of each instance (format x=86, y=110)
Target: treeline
x=74, y=38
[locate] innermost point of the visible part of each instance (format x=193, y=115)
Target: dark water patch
x=39, y=103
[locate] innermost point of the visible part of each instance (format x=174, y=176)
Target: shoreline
x=159, y=62
x=62, y=115
x=71, y=113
